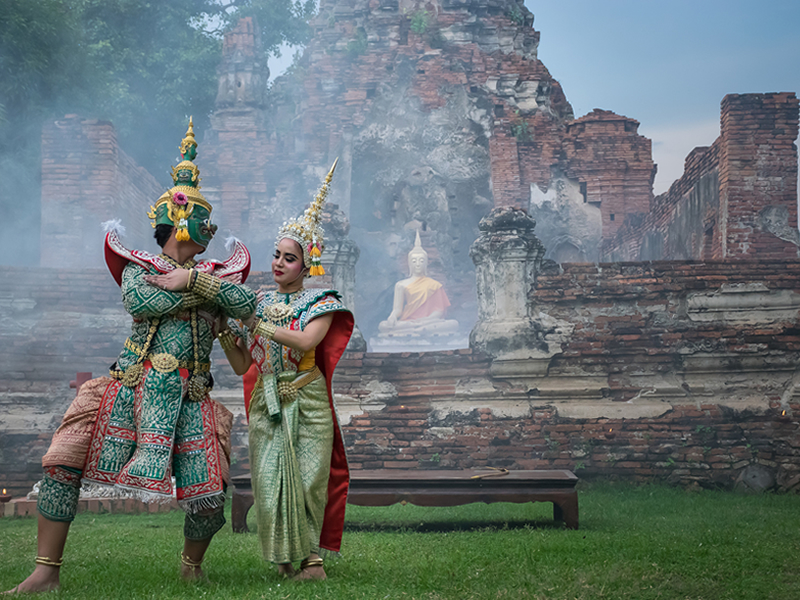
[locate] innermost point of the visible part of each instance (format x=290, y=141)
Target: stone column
x=507, y=257
x=339, y=260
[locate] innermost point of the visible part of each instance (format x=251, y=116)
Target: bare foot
x=192, y=573
x=311, y=574
x=43, y=579
x=287, y=570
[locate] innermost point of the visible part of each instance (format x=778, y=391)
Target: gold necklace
x=280, y=313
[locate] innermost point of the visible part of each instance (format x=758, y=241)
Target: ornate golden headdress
x=307, y=229
x=183, y=205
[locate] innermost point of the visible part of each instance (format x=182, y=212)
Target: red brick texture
x=632, y=329
x=715, y=210
x=605, y=153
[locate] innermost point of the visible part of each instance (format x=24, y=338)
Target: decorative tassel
x=316, y=260
x=230, y=243
x=114, y=225
x=182, y=235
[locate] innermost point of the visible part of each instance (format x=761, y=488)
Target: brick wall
x=56, y=322
x=605, y=153
x=655, y=382
x=758, y=170
x=86, y=180
x=690, y=366
x=736, y=198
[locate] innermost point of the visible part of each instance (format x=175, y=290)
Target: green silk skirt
x=289, y=465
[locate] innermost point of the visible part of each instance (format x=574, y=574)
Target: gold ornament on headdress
x=307, y=229
x=184, y=195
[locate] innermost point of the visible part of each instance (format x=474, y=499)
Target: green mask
x=192, y=220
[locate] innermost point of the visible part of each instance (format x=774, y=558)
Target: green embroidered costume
x=298, y=465
x=152, y=418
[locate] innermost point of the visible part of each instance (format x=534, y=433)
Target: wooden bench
x=441, y=488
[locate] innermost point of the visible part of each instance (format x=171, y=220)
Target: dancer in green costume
x=288, y=354
x=152, y=418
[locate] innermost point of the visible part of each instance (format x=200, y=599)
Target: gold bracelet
x=206, y=285
x=226, y=339
x=264, y=329
x=194, y=564
x=48, y=562
x=192, y=279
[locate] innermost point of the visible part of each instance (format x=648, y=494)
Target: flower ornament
x=315, y=252
x=180, y=198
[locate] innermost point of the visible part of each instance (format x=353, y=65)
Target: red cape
x=327, y=355
x=118, y=256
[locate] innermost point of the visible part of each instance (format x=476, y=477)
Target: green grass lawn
x=634, y=542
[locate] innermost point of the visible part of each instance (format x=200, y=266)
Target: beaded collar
x=187, y=265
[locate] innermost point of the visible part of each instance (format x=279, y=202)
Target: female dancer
x=293, y=342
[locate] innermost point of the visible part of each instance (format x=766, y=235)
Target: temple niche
x=419, y=307
x=431, y=124
x=569, y=227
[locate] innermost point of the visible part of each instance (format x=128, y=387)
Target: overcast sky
x=668, y=64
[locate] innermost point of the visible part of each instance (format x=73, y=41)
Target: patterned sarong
x=138, y=439
x=290, y=464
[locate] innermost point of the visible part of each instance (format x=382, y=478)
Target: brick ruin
x=682, y=369
x=736, y=199
x=88, y=179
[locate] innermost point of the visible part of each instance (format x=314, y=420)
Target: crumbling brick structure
x=684, y=371
x=737, y=198
x=88, y=179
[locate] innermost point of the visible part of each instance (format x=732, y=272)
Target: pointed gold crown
x=188, y=139
x=307, y=230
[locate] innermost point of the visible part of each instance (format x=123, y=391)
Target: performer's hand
x=175, y=281
x=250, y=320
x=233, y=278
x=260, y=295
x=222, y=323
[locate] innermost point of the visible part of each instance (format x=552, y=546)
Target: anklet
x=49, y=562
x=185, y=560
x=311, y=562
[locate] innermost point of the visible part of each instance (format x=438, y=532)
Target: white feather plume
x=114, y=225
x=230, y=242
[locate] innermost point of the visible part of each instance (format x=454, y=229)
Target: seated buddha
x=420, y=302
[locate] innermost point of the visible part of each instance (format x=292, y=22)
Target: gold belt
x=164, y=362
x=287, y=390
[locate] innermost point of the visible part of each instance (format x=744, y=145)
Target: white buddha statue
x=420, y=302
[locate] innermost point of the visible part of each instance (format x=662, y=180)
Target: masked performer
x=152, y=419
x=297, y=459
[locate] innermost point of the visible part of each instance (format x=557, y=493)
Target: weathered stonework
x=507, y=257
x=684, y=371
x=669, y=356
x=736, y=199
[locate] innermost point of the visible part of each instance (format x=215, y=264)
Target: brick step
x=22, y=507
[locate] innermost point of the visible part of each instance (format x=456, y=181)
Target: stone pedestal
x=507, y=257
x=340, y=258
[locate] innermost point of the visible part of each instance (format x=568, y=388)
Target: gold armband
x=192, y=300
x=226, y=339
x=204, y=285
x=263, y=329
x=192, y=279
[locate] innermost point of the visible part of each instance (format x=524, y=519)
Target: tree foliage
x=145, y=65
